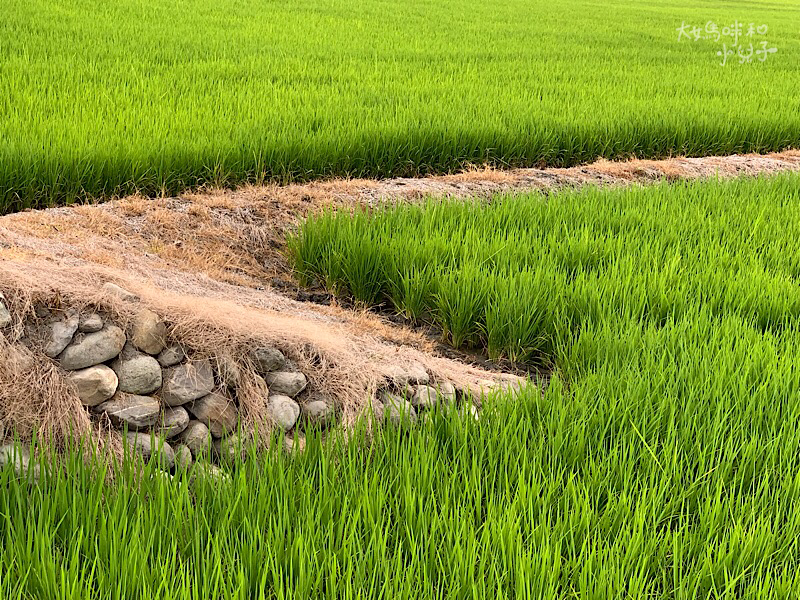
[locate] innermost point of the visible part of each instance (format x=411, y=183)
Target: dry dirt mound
x=211, y=266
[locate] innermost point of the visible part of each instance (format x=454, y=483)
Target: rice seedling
x=529, y=274
x=668, y=435
x=100, y=99
x=650, y=477
x=461, y=303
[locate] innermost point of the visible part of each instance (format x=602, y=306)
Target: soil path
x=228, y=245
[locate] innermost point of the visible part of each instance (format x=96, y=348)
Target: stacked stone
x=410, y=394
x=172, y=406
x=286, y=384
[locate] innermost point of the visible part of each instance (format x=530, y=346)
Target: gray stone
x=425, y=397
x=20, y=457
x=173, y=422
x=397, y=376
x=5, y=315
x=138, y=373
x=121, y=293
x=209, y=472
x=376, y=412
x=294, y=443
x=398, y=410
x=318, y=413
x=151, y=446
x=229, y=373
x=137, y=412
x=183, y=456
x=284, y=411
x=417, y=375
x=197, y=438
x=171, y=356
x=95, y=384
x=506, y=385
x=61, y=333
x=260, y=386
x=269, y=359
x=286, y=383
x=217, y=412
x=230, y=449
x=187, y=382
x=447, y=391
x=91, y=349
x=90, y=323
x=149, y=333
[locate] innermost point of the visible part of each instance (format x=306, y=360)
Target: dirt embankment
x=212, y=265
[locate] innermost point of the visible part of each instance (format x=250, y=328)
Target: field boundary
x=486, y=181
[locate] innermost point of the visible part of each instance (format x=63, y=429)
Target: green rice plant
x=649, y=479
x=516, y=315
x=460, y=304
x=362, y=269
x=523, y=276
x=412, y=294
x=100, y=99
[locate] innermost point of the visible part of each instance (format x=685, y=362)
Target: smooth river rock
x=268, y=359
x=149, y=445
x=228, y=371
x=425, y=397
x=230, y=449
x=61, y=334
x=447, y=391
x=137, y=412
x=398, y=410
x=173, y=422
x=138, y=373
x=318, y=413
x=149, y=333
x=183, y=456
x=286, y=383
x=284, y=411
x=417, y=375
x=95, y=384
x=197, y=438
x=171, y=356
x=217, y=412
x=91, y=349
x=90, y=323
x=19, y=456
x=187, y=382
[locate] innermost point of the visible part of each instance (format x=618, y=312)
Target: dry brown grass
x=209, y=263
x=345, y=356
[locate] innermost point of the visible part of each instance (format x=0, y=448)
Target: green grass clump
x=597, y=493
x=671, y=315
x=101, y=98
x=525, y=276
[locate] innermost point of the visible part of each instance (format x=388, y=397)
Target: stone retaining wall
x=180, y=407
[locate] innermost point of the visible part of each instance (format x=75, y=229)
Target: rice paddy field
x=100, y=99
x=660, y=455
x=660, y=462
